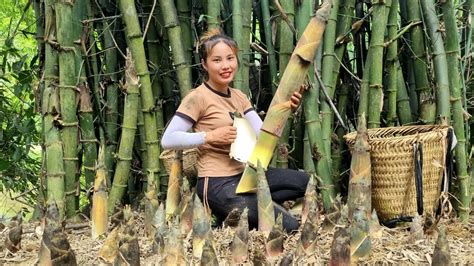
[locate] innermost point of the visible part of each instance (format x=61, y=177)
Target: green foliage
x=19, y=136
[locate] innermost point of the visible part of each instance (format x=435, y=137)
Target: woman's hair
x=212, y=37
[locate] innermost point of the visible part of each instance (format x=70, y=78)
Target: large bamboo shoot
x=280, y=107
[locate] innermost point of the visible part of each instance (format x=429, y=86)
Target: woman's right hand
x=221, y=136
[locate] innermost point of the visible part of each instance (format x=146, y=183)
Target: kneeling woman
x=208, y=110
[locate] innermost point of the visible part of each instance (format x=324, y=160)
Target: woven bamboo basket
x=189, y=161
x=393, y=168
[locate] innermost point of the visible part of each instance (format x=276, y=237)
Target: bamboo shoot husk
x=201, y=227
x=173, y=194
x=99, y=216
x=239, y=245
x=266, y=212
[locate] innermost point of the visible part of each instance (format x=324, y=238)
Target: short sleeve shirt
x=209, y=109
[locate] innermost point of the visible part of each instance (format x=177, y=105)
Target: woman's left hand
x=295, y=100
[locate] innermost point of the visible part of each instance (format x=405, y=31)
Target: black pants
x=285, y=184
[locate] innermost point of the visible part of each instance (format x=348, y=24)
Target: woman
x=209, y=110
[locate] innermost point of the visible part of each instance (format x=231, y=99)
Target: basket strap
x=418, y=152
x=448, y=172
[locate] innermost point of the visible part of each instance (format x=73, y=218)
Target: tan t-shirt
x=209, y=109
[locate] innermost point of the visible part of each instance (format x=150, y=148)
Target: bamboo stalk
x=285, y=39
x=173, y=29
x=111, y=92
x=280, y=107
x=439, y=60
x=425, y=94
x=213, y=14
x=129, y=127
x=403, y=103
x=267, y=27
x=185, y=18
x=392, y=59
x=328, y=78
x=68, y=95
x=50, y=108
x=241, y=33
x=135, y=43
x=452, y=55
x=346, y=12
x=380, y=17
x=167, y=82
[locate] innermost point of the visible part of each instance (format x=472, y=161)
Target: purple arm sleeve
x=254, y=121
x=176, y=136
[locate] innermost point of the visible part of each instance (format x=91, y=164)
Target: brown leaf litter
x=395, y=246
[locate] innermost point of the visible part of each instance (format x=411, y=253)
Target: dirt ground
x=394, y=246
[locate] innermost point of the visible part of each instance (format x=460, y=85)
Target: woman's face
x=221, y=65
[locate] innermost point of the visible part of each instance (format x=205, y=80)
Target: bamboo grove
x=113, y=73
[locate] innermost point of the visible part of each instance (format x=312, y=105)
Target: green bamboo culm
x=392, y=58
x=311, y=108
x=346, y=13
x=241, y=21
x=439, y=60
x=267, y=27
x=111, y=101
x=173, y=28
x=184, y=14
x=129, y=128
x=152, y=42
x=380, y=17
x=68, y=96
x=167, y=82
x=135, y=44
x=286, y=48
x=418, y=57
x=304, y=12
x=328, y=63
x=50, y=108
x=403, y=102
x=452, y=55
x=88, y=139
x=213, y=14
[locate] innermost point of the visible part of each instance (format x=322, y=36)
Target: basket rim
x=169, y=153
x=407, y=132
